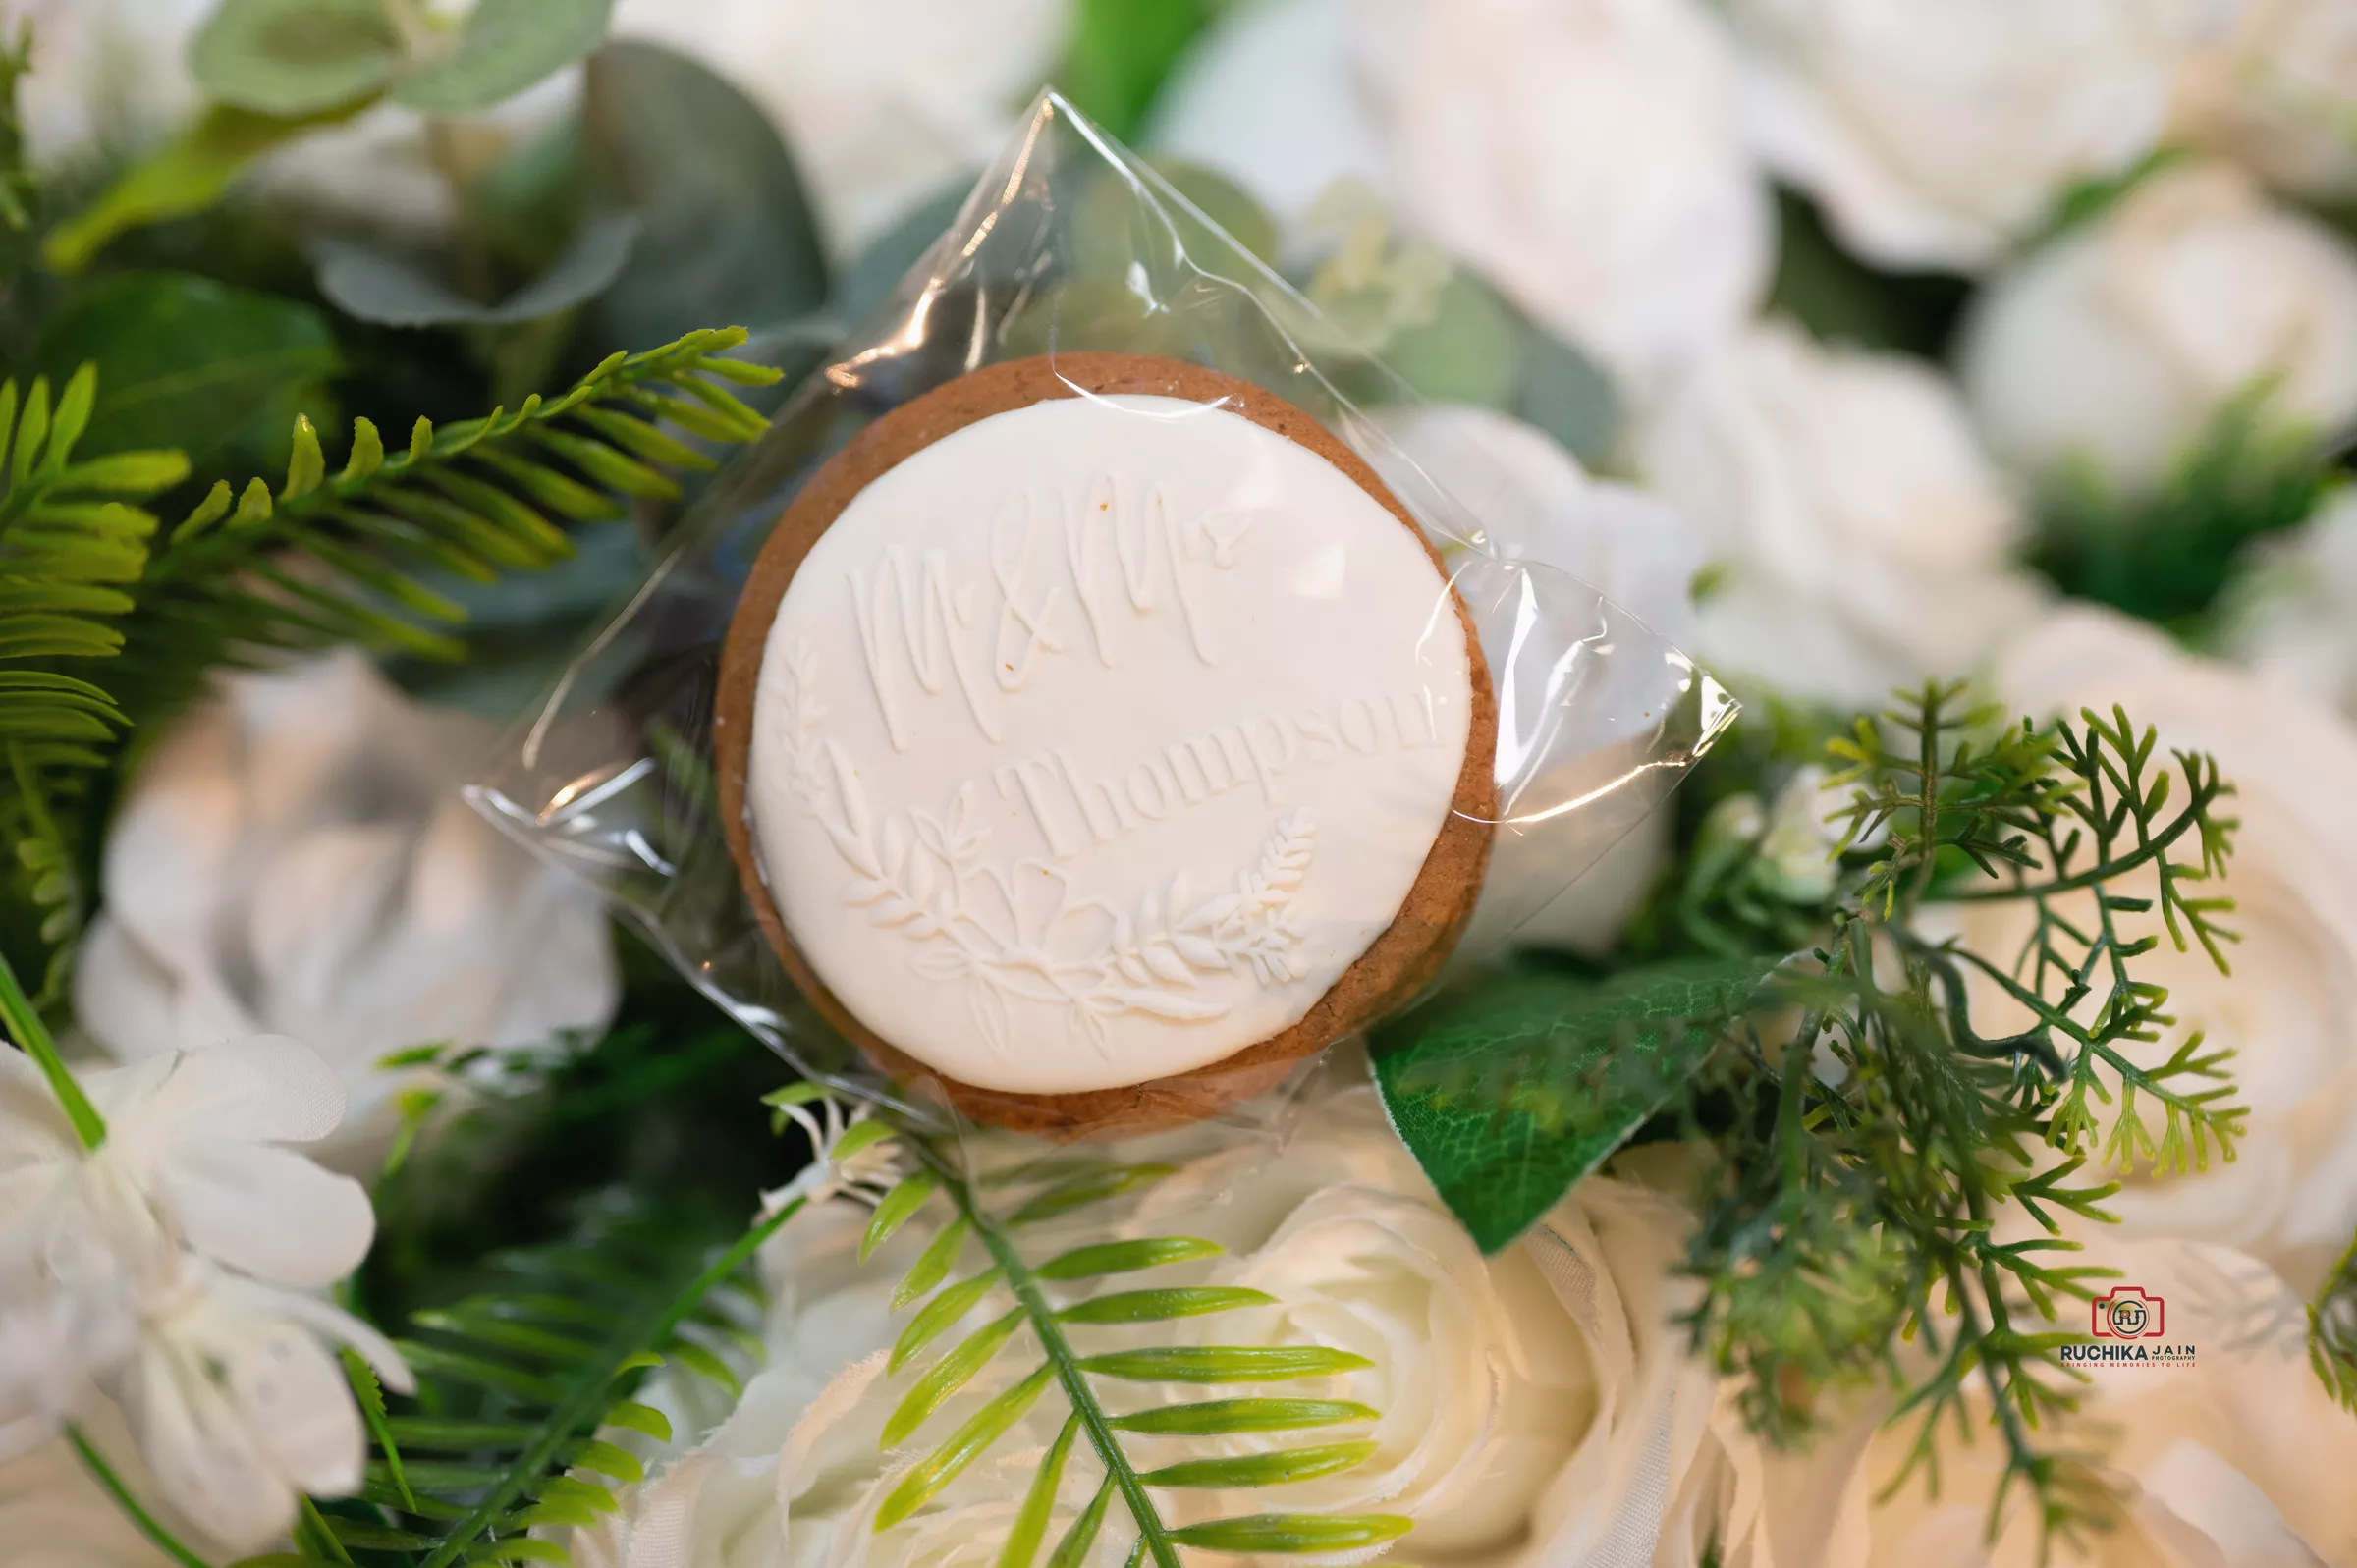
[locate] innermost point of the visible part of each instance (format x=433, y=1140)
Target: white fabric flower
x=2239, y=1460
x=2289, y=1012
x=295, y=857
x=882, y=101
x=2119, y=345
x=1586, y=156
x=1537, y=1408
x=1936, y=133
x=2294, y=616
x=1863, y=539
x=2277, y=96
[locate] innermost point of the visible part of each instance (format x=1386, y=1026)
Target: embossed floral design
x=1017, y=933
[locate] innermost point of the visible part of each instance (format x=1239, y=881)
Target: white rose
x=1538, y=1408
x=2289, y=1012
x=1585, y=156
x=1863, y=540
x=2277, y=96
x=2119, y=345
x=2239, y=1460
x=294, y=858
x=882, y=101
x=1935, y=135
x=2294, y=616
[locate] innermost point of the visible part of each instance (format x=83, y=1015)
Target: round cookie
x=1099, y=736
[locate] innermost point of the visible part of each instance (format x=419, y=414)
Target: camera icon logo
x=2128, y=1312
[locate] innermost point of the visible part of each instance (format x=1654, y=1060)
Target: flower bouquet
x=1568, y=793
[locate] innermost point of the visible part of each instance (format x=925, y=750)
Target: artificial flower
x=883, y=101
x=1534, y=502
x=2292, y=617
x=1587, y=157
x=1537, y=1408
x=1937, y=135
x=2289, y=1012
x=1862, y=539
x=2276, y=95
x=295, y=857
x=2232, y=1459
x=2116, y=346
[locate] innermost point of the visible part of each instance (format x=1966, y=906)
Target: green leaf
x=895, y=1209
x=963, y=1447
x=1217, y=1417
x=1089, y=1187
x=1125, y=1257
x=370, y=1396
x=505, y=47
x=934, y=1263
x=1073, y=1550
x=1120, y=52
x=189, y=364
x=940, y=1314
x=372, y=286
x=293, y=57
x=1293, y=1533
x=1224, y=1363
x=642, y=1419
x=1030, y=1524
x=948, y=1375
x=860, y=1137
x=728, y=234
x=1263, y=1469
x=1509, y=1091
x=1156, y=1306
x=1567, y=394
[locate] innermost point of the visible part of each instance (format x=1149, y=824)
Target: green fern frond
x=1049, y=1189
x=330, y=557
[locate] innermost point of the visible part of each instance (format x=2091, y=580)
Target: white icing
x=1094, y=741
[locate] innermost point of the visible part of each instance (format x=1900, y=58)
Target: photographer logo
x=2130, y=1328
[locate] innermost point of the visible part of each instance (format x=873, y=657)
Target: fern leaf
x=950, y=1374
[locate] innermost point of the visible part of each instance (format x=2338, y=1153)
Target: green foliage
x=1842, y=299
x=2332, y=1331
x=1050, y=1188
x=370, y=285
x=503, y=47
x=1512, y=1090
x=294, y=57
x=2165, y=556
x=1121, y=50
x=514, y=1381
x=16, y=186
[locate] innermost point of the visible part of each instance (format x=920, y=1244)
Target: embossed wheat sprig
x=993, y=1211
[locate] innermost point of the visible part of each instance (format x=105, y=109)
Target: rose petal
x=267, y=1212
x=205, y=1461
x=261, y=1089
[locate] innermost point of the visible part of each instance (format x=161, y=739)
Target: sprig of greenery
x=988, y=1212
x=2332, y=1331
x=1878, y=1138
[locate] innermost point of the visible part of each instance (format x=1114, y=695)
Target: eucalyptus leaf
x=728, y=234
x=1473, y=348
x=505, y=46
x=1567, y=394
x=371, y=286
x=1509, y=1091
x=293, y=57
x=191, y=364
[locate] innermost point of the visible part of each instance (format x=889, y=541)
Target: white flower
x=1799, y=836
x=1586, y=156
x=2293, y=616
x=2237, y=1460
x=1861, y=536
x=883, y=103
x=1536, y=1409
x=295, y=857
x=2119, y=345
x=2277, y=95
x=2289, y=1012
x=1936, y=133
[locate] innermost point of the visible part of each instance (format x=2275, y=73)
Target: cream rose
x=1935, y=135
x=2117, y=346
x=2289, y=1012
x=1536, y=1408
x=1862, y=538
x=1586, y=156
x=294, y=858
x=2277, y=95
x=2239, y=1460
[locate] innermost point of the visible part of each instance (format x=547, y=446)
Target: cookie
x=1098, y=736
